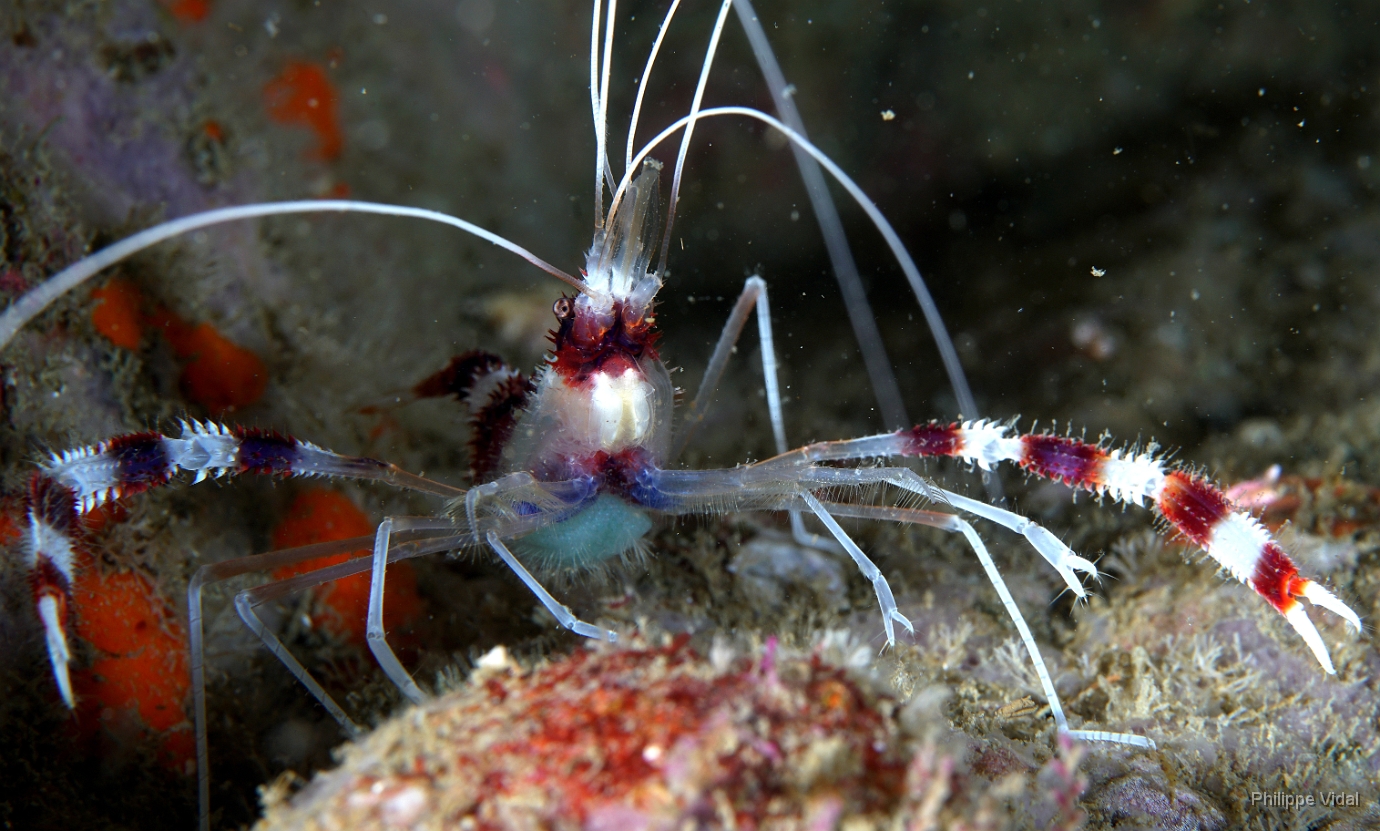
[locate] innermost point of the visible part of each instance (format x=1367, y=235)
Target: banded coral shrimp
x=54, y=375
x=947, y=217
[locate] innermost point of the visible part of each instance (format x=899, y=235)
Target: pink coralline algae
x=662, y=738
x=636, y=738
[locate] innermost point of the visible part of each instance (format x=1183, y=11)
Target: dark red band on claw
x=265, y=451
x=1276, y=579
x=142, y=461
x=932, y=439
x=1066, y=460
x=1192, y=506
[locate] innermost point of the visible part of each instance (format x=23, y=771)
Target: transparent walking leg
x=561, y=612
x=374, y=632
x=890, y=614
x=949, y=522
x=754, y=296
x=247, y=600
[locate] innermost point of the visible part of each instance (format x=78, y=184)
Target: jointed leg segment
x=753, y=297
x=949, y=522
x=560, y=611
x=375, y=634
x=869, y=569
x=245, y=603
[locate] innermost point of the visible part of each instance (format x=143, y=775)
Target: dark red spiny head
x=590, y=339
x=611, y=327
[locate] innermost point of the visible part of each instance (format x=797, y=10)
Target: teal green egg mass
x=607, y=528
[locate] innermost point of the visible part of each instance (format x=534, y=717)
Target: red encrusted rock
x=622, y=738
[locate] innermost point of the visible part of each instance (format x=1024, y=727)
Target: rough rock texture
x=640, y=737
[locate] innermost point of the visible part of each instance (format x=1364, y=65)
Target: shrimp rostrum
x=573, y=466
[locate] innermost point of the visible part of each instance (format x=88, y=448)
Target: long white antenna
x=28, y=306
x=642, y=82
x=889, y=401
x=604, y=92
x=690, y=128
x=597, y=109
x=893, y=240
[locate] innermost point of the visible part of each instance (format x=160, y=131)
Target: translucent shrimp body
x=604, y=390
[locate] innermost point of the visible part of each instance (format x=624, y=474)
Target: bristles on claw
x=1190, y=503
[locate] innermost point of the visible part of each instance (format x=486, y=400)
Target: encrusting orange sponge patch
x=302, y=94
x=217, y=373
x=322, y=515
x=141, y=670
x=117, y=315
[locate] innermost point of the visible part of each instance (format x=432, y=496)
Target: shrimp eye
x=562, y=308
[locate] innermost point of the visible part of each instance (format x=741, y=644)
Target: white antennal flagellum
x=30, y=305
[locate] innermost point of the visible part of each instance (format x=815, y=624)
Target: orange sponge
x=322, y=515
x=218, y=374
x=117, y=315
x=303, y=94
x=140, y=680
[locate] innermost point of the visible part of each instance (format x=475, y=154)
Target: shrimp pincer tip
x=50, y=611
x=903, y=620
x=1083, y=565
x=1298, y=618
x=1318, y=595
